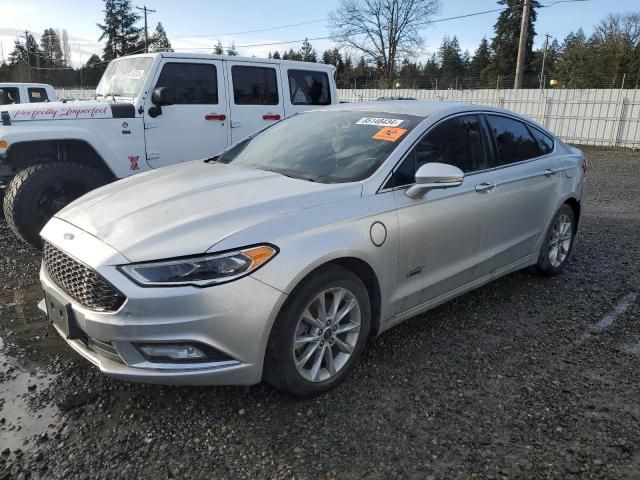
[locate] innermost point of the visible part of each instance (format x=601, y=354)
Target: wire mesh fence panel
x=76, y=93
x=609, y=117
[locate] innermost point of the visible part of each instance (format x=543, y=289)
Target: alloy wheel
x=326, y=334
x=560, y=241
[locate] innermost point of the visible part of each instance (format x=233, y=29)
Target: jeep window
x=307, y=87
x=124, y=78
x=324, y=146
x=254, y=85
x=37, y=95
x=10, y=95
x=193, y=83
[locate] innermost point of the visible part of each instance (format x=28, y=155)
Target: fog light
x=3, y=144
x=172, y=351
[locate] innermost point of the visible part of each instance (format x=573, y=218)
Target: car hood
x=91, y=110
x=186, y=209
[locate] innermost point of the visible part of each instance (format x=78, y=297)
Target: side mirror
x=435, y=175
x=160, y=97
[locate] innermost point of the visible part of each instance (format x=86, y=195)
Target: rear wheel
x=38, y=192
x=558, y=243
x=320, y=333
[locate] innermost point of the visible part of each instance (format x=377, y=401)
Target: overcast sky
x=197, y=25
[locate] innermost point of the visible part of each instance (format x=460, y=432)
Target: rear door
x=256, y=97
x=196, y=125
x=528, y=187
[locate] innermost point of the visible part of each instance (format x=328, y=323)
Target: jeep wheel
x=38, y=192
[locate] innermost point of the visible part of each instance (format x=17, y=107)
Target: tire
x=550, y=264
x=38, y=192
x=280, y=368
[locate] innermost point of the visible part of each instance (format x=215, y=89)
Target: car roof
x=235, y=58
x=425, y=108
x=421, y=108
x=23, y=84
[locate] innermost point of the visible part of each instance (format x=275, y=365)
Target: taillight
x=585, y=165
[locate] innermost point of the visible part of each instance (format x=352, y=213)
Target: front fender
x=107, y=139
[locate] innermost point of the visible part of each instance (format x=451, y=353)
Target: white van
x=12, y=93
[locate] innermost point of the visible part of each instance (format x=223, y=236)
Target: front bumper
x=235, y=319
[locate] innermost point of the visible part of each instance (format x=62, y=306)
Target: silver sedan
x=278, y=259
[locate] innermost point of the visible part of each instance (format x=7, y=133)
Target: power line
x=215, y=35
x=146, y=29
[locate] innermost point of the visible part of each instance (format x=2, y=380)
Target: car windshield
x=124, y=78
x=324, y=146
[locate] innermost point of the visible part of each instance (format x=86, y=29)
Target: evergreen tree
x=307, y=53
x=92, y=71
x=218, y=49
x=51, y=49
x=119, y=29
x=276, y=55
x=451, y=62
x=159, y=42
x=479, y=63
x=504, y=45
x=431, y=72
x=231, y=51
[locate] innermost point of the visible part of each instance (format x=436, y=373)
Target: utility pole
x=146, y=30
x=522, y=45
x=544, y=57
x=26, y=46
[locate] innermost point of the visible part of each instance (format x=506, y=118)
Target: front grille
x=83, y=284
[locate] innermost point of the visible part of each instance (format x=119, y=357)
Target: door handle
x=215, y=116
x=549, y=172
x=485, y=187
x=271, y=116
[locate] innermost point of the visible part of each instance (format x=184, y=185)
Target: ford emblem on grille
x=69, y=236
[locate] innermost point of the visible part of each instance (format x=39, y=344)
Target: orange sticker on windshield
x=390, y=134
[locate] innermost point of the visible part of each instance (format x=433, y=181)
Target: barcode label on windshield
x=379, y=122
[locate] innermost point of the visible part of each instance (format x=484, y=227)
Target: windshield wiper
x=289, y=174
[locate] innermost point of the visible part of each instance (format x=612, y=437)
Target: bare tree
x=386, y=31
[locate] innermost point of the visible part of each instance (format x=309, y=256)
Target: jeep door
x=256, y=97
x=196, y=124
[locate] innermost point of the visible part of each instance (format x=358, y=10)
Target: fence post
x=621, y=122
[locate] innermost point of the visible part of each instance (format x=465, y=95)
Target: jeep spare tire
x=38, y=192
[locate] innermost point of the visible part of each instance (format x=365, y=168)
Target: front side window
x=10, y=95
x=458, y=142
x=254, y=85
x=513, y=139
x=307, y=87
x=37, y=95
x=193, y=83
x=324, y=146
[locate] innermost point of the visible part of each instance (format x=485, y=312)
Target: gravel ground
x=517, y=379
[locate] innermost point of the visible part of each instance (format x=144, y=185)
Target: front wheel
x=38, y=192
x=558, y=242
x=319, y=334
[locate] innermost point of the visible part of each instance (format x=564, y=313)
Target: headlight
x=203, y=270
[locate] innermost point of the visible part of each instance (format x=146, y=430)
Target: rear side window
x=10, y=95
x=545, y=142
x=194, y=83
x=254, y=85
x=458, y=141
x=309, y=88
x=513, y=139
x=37, y=95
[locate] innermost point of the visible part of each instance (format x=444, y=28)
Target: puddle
x=23, y=338
x=21, y=381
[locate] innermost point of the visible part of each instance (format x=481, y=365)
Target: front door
x=445, y=237
x=196, y=125
x=256, y=97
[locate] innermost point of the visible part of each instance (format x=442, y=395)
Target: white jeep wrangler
x=12, y=93
x=150, y=110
